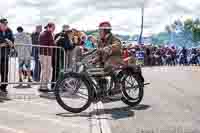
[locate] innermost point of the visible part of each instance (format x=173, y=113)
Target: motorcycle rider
x=109, y=55
x=109, y=48
x=109, y=51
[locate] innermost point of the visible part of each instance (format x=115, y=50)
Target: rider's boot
x=117, y=86
x=102, y=87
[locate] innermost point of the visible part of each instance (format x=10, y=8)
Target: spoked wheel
x=132, y=89
x=73, y=92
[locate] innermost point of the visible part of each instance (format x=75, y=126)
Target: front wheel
x=132, y=89
x=73, y=92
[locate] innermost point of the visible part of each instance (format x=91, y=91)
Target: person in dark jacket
x=46, y=40
x=35, y=53
x=148, y=57
x=6, y=42
x=63, y=41
x=185, y=54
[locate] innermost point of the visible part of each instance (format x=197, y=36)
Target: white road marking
x=105, y=128
x=95, y=125
x=5, y=128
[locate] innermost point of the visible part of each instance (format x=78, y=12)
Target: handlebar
x=84, y=60
x=89, y=53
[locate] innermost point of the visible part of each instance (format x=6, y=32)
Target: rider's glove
x=108, y=50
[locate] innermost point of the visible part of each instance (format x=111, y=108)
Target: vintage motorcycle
x=86, y=83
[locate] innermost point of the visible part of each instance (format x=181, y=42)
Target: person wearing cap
x=109, y=46
x=35, y=53
x=23, y=47
x=64, y=40
x=6, y=43
x=109, y=51
x=46, y=40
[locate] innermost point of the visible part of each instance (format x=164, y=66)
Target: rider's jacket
x=112, y=50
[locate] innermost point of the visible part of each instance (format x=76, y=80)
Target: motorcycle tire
x=57, y=91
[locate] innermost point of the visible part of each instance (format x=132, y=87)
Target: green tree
x=196, y=30
x=188, y=25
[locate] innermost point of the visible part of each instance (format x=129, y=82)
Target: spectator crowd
x=50, y=53
x=151, y=55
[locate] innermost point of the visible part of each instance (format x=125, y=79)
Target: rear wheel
x=132, y=89
x=73, y=92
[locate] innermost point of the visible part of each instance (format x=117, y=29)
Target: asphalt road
x=33, y=114
x=170, y=105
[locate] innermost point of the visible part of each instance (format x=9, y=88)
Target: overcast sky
x=125, y=15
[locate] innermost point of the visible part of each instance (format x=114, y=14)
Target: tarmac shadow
x=83, y=114
x=48, y=96
x=141, y=107
x=122, y=112
x=116, y=113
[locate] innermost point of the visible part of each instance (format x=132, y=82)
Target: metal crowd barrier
x=24, y=58
x=28, y=59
